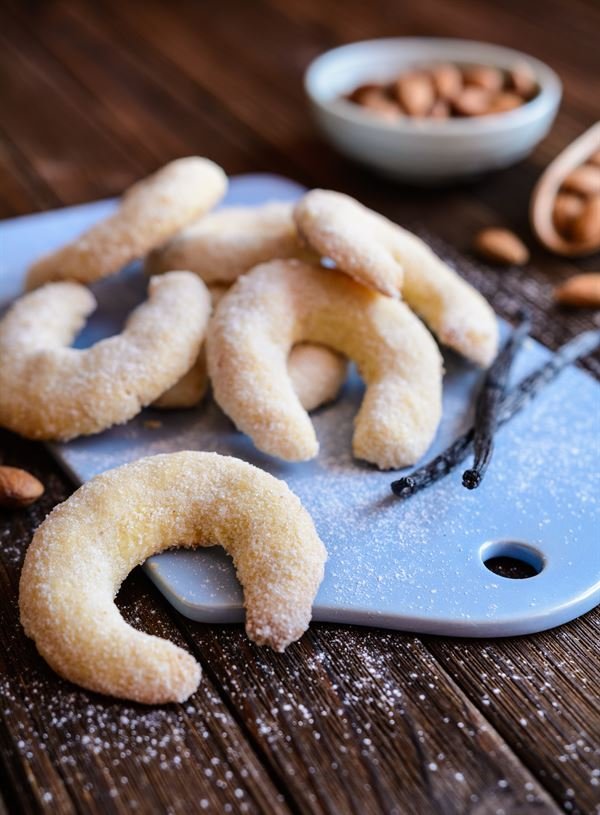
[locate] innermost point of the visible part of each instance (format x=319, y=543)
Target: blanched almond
x=483, y=76
x=501, y=246
x=18, y=488
x=582, y=290
x=567, y=207
x=504, y=102
x=472, y=102
x=415, y=93
x=584, y=180
x=447, y=80
x=586, y=226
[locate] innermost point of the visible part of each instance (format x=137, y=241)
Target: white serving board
x=414, y=564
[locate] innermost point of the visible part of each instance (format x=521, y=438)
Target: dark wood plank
x=28, y=771
x=20, y=189
x=67, y=150
x=137, y=91
x=359, y=721
x=543, y=698
x=255, y=103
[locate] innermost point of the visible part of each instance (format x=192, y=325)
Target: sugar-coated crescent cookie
x=221, y=247
x=191, y=388
x=86, y=547
x=150, y=213
x=285, y=302
x=317, y=373
x=189, y=391
x=51, y=391
x=356, y=238
x=383, y=255
x=225, y=244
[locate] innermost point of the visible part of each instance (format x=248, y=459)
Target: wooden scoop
x=544, y=194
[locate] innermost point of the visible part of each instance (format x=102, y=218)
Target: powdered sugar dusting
x=415, y=563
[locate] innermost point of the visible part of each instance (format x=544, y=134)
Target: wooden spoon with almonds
x=574, y=172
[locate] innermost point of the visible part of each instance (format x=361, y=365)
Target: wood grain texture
x=347, y=717
x=94, y=94
x=521, y=685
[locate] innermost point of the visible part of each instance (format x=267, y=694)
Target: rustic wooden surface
x=94, y=95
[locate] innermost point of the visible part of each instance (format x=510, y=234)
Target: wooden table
x=95, y=95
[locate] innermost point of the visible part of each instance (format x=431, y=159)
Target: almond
x=472, y=102
x=504, y=102
x=594, y=158
x=586, y=226
x=581, y=291
x=583, y=180
x=377, y=101
x=447, y=80
x=567, y=207
x=501, y=246
x=18, y=488
x=485, y=77
x=359, y=93
x=523, y=81
x=415, y=93
x=440, y=110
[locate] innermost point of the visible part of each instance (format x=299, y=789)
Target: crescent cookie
x=281, y=303
x=86, y=547
x=189, y=391
x=51, y=391
x=191, y=388
x=382, y=255
x=225, y=244
x=150, y=212
x=317, y=373
x=220, y=248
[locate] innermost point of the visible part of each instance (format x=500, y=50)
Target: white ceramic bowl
x=426, y=150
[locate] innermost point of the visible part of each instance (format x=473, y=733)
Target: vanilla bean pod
x=489, y=401
x=513, y=402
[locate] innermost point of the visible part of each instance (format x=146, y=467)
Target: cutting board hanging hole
x=512, y=559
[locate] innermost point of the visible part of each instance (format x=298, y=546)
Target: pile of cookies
x=445, y=90
x=282, y=327
x=267, y=303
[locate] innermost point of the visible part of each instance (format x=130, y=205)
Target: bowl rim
x=549, y=95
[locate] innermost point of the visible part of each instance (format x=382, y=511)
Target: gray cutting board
x=415, y=564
